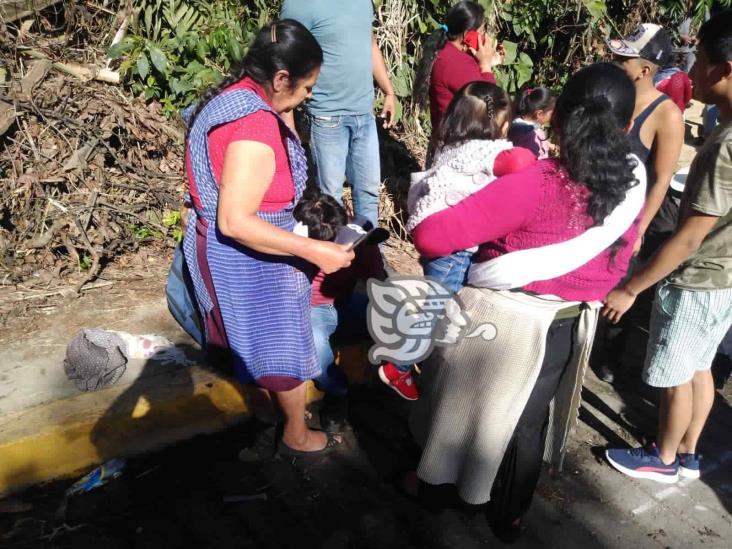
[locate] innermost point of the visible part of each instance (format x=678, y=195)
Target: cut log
x=79, y=71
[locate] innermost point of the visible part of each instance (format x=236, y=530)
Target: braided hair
x=477, y=111
x=281, y=45
x=462, y=17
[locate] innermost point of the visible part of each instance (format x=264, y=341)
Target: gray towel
x=95, y=359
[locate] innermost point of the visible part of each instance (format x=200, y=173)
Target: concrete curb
x=67, y=436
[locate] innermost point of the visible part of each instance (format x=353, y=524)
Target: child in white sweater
x=471, y=152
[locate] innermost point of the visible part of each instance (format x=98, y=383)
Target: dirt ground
x=198, y=494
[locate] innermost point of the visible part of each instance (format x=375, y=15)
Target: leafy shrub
x=178, y=48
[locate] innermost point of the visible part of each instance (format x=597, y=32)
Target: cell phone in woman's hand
x=360, y=230
x=352, y=235
x=471, y=39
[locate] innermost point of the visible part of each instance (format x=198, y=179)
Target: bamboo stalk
x=121, y=31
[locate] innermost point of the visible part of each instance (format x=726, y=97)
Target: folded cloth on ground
x=97, y=358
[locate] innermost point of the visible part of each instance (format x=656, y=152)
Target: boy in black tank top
x=694, y=268
x=658, y=126
x=656, y=138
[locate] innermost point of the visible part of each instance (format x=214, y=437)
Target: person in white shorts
x=693, y=307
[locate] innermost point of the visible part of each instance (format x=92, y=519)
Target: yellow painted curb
x=68, y=436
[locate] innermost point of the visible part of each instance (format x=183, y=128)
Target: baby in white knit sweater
x=471, y=151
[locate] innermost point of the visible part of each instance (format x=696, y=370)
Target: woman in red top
x=246, y=170
x=448, y=64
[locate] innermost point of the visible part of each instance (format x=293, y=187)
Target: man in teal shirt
x=343, y=136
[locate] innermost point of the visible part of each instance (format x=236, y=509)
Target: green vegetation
x=178, y=48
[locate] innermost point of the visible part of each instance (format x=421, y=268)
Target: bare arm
x=685, y=241
x=669, y=139
x=381, y=75
x=249, y=167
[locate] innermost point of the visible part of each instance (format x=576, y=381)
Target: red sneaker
x=402, y=382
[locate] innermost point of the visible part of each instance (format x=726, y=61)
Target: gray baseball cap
x=647, y=41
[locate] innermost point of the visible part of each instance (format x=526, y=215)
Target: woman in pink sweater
x=550, y=202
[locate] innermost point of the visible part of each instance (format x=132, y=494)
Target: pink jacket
x=538, y=206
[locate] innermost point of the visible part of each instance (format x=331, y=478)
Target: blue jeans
x=346, y=319
x=347, y=147
x=451, y=270
x=710, y=118
x=182, y=298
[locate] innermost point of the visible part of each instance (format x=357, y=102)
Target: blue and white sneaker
x=690, y=465
x=643, y=463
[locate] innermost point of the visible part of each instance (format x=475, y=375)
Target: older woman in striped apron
x=246, y=170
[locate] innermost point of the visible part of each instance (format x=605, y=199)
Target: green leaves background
x=178, y=48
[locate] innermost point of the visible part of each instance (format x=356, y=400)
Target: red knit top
x=263, y=127
x=538, y=206
x=453, y=69
x=678, y=88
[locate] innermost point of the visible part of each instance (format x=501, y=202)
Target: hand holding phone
x=360, y=230
x=471, y=39
x=486, y=53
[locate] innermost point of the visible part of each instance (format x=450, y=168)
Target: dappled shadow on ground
x=153, y=405
x=639, y=418
x=379, y=422
x=197, y=494
x=635, y=406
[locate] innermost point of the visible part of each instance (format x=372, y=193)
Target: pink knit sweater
x=538, y=206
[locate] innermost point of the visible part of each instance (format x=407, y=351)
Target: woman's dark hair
x=715, y=36
x=322, y=214
x=591, y=115
x=281, y=45
x=462, y=17
x=474, y=113
x=531, y=100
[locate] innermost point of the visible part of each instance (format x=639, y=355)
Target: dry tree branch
x=96, y=133
x=82, y=72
